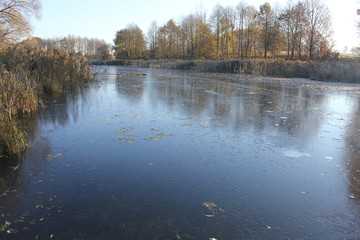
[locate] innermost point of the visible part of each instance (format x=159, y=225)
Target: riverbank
x=341, y=70
x=26, y=76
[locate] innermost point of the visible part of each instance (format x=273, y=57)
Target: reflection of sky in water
x=135, y=158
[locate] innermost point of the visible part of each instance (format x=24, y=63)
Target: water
x=179, y=155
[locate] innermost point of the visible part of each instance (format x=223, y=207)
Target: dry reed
x=26, y=75
x=339, y=70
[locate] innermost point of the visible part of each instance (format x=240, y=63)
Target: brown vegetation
x=130, y=43
x=26, y=75
x=342, y=70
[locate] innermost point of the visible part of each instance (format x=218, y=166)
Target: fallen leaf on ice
x=163, y=134
x=209, y=205
x=218, y=123
x=152, y=138
x=131, y=140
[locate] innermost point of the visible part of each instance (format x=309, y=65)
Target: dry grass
x=26, y=75
x=340, y=71
x=332, y=71
x=53, y=70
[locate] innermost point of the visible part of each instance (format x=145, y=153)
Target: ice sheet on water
x=292, y=153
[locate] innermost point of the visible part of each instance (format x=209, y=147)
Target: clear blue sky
x=102, y=19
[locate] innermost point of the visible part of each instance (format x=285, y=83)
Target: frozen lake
x=180, y=155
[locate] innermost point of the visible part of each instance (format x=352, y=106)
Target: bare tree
x=318, y=25
x=222, y=22
x=102, y=50
x=14, y=18
x=298, y=25
x=266, y=17
x=189, y=28
x=358, y=24
x=71, y=44
x=286, y=18
x=216, y=18
x=152, y=39
x=241, y=14
x=251, y=19
x=227, y=32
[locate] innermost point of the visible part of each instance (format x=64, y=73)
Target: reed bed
x=53, y=70
x=340, y=70
x=26, y=76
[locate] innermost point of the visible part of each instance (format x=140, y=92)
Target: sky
x=102, y=19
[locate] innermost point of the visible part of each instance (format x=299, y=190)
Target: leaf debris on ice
x=153, y=138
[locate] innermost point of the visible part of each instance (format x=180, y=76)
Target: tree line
x=15, y=25
x=298, y=31
x=92, y=48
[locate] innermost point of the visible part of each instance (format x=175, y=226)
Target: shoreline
x=344, y=71
x=321, y=86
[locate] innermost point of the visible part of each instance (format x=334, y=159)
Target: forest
x=299, y=31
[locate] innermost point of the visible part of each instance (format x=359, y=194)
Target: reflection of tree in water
x=65, y=106
x=243, y=105
x=195, y=95
x=352, y=159
x=14, y=170
x=132, y=86
x=295, y=111
x=11, y=181
x=59, y=109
